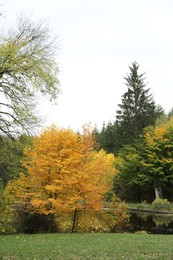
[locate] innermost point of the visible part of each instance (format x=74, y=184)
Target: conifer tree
x=137, y=109
x=106, y=138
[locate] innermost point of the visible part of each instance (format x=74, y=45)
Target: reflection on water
x=156, y=224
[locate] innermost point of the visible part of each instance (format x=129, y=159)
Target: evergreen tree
x=106, y=138
x=137, y=109
x=170, y=113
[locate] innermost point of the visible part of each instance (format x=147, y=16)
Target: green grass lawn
x=86, y=246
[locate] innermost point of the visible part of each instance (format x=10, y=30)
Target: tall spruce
x=137, y=109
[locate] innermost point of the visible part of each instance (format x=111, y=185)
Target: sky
x=98, y=41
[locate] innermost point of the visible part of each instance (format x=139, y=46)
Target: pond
x=151, y=223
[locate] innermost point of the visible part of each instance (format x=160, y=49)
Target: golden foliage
x=64, y=173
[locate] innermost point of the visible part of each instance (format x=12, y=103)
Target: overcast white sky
x=99, y=40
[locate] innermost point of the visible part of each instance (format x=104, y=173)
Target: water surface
x=151, y=223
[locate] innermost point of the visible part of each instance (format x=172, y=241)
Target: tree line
x=64, y=185
x=57, y=174
x=62, y=174
x=136, y=111
x=141, y=139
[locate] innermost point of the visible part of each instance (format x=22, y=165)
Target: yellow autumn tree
x=65, y=174
x=159, y=147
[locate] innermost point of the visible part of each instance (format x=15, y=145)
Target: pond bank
x=135, y=210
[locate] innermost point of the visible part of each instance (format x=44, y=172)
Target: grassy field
x=86, y=246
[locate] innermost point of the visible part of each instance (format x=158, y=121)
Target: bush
x=116, y=216
x=161, y=204
x=5, y=216
x=143, y=205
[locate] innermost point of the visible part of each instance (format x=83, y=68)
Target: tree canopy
x=137, y=109
x=65, y=174
x=11, y=155
x=148, y=162
x=27, y=67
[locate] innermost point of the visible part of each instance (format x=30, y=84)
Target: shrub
x=92, y=222
x=143, y=205
x=161, y=204
x=116, y=216
x=5, y=214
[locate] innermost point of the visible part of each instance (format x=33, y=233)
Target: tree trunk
x=158, y=191
x=138, y=194
x=51, y=218
x=74, y=221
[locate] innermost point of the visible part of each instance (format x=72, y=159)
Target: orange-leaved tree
x=65, y=174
